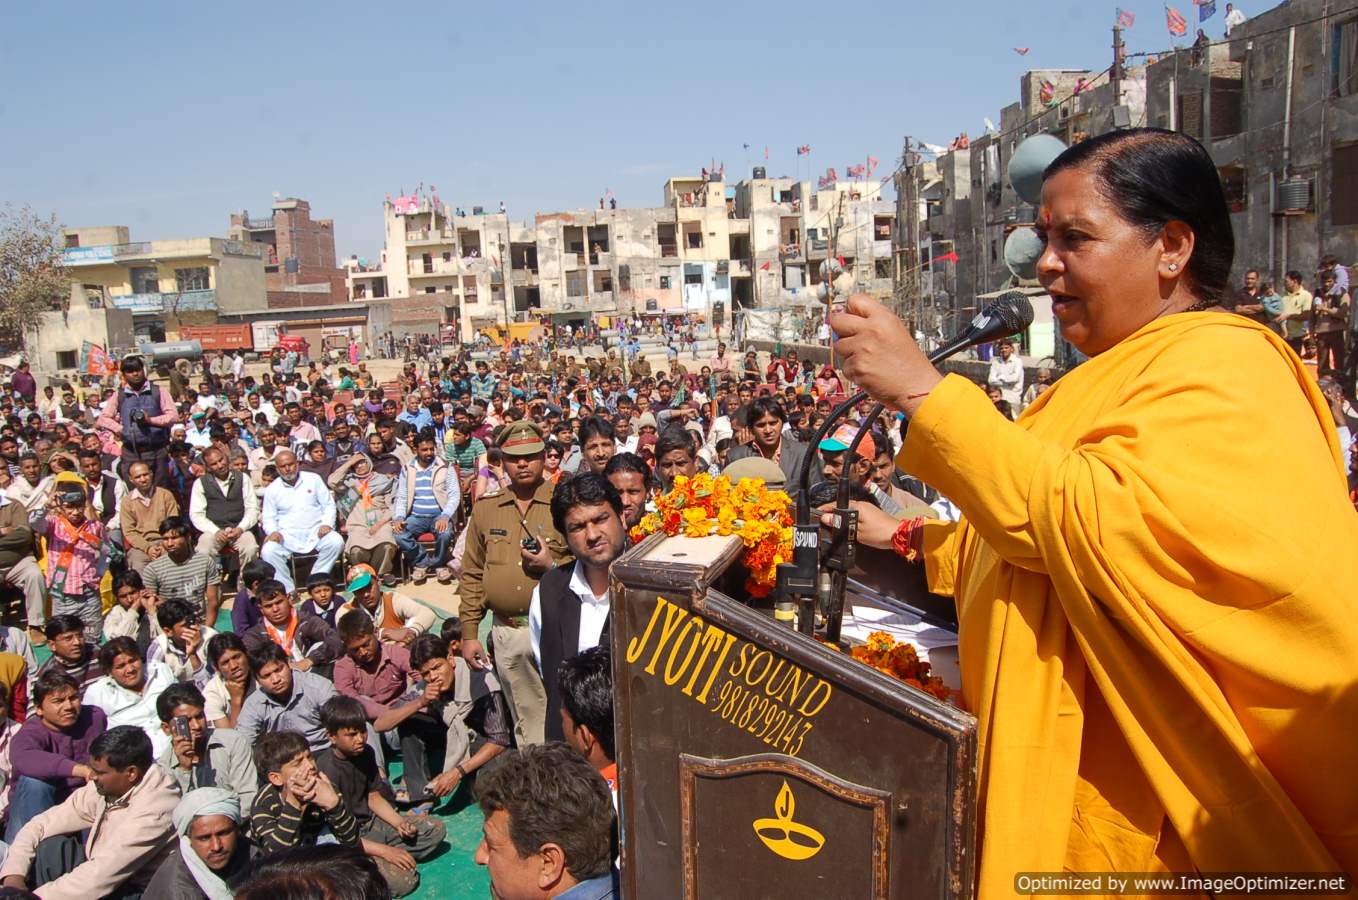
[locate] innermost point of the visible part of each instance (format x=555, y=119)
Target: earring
x=1174, y=267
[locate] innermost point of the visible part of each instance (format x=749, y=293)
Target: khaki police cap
x=521, y=438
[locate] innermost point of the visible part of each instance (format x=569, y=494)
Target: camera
x=179, y=727
x=139, y=416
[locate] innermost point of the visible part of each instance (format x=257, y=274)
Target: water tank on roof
x=1294, y=194
x=759, y=172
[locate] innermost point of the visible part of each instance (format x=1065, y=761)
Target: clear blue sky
x=166, y=117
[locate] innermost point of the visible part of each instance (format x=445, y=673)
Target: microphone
x=1010, y=313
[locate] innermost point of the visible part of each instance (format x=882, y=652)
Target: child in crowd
x=396, y=842
x=299, y=803
x=180, y=643
x=321, y=598
x=133, y=613
x=245, y=611
x=74, y=534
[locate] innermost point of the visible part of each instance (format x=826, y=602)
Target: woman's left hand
x=879, y=354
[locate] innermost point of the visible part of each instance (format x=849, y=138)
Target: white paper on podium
x=861, y=619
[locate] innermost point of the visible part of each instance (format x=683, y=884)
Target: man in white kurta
x=298, y=517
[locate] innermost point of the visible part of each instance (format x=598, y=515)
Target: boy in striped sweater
x=299, y=803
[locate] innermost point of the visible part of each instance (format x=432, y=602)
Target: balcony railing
x=259, y=224
x=426, y=235
x=165, y=301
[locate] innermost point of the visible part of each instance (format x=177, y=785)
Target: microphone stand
x=798, y=582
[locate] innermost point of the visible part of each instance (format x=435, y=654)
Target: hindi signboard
x=755, y=761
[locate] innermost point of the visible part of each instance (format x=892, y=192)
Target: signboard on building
x=87, y=256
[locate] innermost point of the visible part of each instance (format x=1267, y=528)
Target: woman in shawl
x=1161, y=681
x=363, y=500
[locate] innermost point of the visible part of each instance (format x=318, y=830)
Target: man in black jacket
x=569, y=612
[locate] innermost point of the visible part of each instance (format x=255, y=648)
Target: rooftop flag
x=1126, y=19
x=1206, y=10
x=1175, y=22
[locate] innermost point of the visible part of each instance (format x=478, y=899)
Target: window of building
x=430, y=290
x=72, y=240
x=575, y=283
x=1344, y=184
x=447, y=256
x=666, y=282
x=882, y=268
x=145, y=280
x=693, y=237
x=693, y=278
x=67, y=359
x=195, y=279
x=1345, y=61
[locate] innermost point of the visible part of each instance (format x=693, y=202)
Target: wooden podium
x=756, y=762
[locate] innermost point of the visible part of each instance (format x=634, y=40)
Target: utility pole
x=907, y=257
x=1115, y=74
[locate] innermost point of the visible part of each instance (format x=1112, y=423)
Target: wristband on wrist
x=908, y=539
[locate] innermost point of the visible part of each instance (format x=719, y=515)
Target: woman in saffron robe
x=1159, y=645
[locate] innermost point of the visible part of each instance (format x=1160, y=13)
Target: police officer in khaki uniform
x=511, y=543
x=640, y=367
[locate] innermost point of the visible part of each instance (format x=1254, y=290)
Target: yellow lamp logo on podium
x=785, y=837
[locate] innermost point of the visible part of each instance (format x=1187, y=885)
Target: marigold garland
x=900, y=661
x=704, y=505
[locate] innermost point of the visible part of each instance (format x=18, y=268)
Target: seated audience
x=181, y=573
x=245, y=609
x=298, y=803
x=298, y=517
x=467, y=723
x=50, y=753
x=133, y=615
x=397, y=842
x=213, y=856
x=200, y=755
x=71, y=653
x=143, y=509
x=231, y=681
x=180, y=643
x=284, y=699
x=128, y=691
x=325, y=871
x=305, y=638
x=399, y=619
x=109, y=837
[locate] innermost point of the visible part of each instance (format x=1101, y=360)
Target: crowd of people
x=216, y=562
x=215, y=567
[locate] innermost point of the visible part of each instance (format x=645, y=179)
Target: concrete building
x=54, y=347
x=299, y=254
x=709, y=249
x=972, y=209
x=1277, y=107
x=165, y=283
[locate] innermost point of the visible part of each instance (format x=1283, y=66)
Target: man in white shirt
x=1006, y=373
x=570, y=607
x=1234, y=18
x=237, y=365
x=223, y=508
x=299, y=517
x=30, y=488
x=198, y=435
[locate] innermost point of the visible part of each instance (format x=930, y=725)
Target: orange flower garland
x=704, y=505
x=899, y=661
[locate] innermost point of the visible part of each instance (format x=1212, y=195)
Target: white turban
x=205, y=801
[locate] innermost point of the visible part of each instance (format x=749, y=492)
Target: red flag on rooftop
x=854, y=171
x=872, y=164
x=1126, y=19
x=1175, y=21
x=766, y=151
x=803, y=149
x=831, y=175
x=1021, y=51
